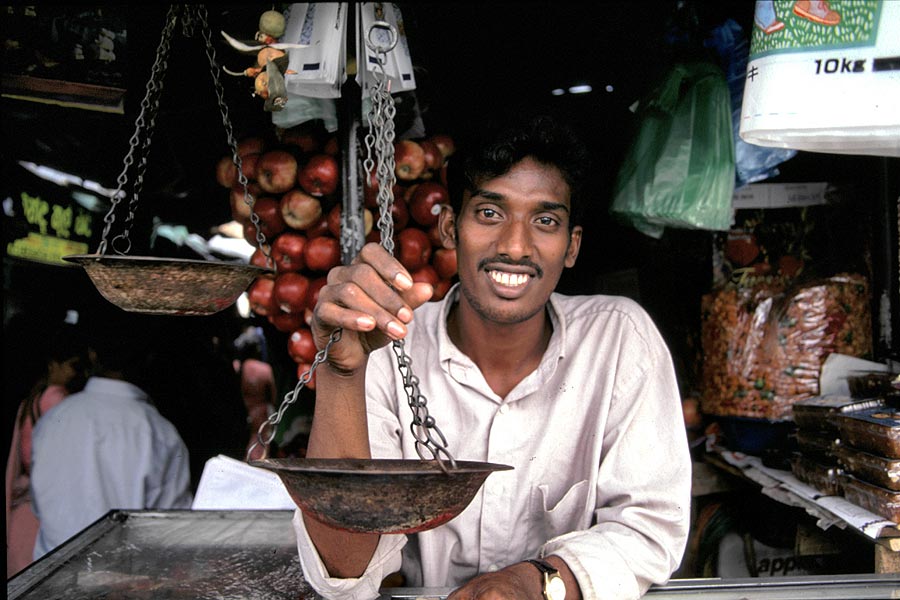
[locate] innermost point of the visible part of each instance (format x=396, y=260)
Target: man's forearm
x=340, y=430
x=340, y=426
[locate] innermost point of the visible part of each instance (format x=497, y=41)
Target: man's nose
x=515, y=240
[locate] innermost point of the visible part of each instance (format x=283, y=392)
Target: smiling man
x=577, y=393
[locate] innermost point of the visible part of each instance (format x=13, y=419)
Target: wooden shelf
x=64, y=93
x=828, y=510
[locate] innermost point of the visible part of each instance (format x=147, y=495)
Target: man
x=578, y=394
x=107, y=447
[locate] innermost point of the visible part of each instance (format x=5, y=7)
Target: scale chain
x=380, y=140
x=149, y=107
x=216, y=71
x=146, y=121
x=291, y=397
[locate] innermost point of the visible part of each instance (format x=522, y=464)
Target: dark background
x=471, y=59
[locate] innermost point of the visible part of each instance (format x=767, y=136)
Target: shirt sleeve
x=385, y=560
x=642, y=513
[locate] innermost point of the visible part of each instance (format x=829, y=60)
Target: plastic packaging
x=824, y=78
x=817, y=445
x=679, y=169
x=876, y=430
x=869, y=467
x=820, y=412
x=873, y=498
x=764, y=345
x=825, y=478
x=752, y=163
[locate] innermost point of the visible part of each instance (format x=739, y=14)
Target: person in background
x=257, y=383
x=577, y=393
x=68, y=363
x=107, y=447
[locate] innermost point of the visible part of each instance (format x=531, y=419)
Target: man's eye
x=548, y=221
x=488, y=212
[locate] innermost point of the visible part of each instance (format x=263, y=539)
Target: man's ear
x=574, y=246
x=447, y=227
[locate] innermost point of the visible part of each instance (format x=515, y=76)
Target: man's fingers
x=418, y=294
x=348, y=305
x=388, y=267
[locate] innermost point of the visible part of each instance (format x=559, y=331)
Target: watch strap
x=554, y=588
x=542, y=565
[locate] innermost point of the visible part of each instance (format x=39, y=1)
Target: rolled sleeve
x=385, y=560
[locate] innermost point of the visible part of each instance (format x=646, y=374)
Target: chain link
x=146, y=122
x=291, y=397
x=380, y=158
x=149, y=108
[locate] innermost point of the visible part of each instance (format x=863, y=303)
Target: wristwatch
x=554, y=586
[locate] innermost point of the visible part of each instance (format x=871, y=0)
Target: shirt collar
x=449, y=351
x=116, y=387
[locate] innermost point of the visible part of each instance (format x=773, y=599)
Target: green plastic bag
x=679, y=170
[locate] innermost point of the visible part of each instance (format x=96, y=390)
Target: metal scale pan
x=167, y=286
x=160, y=285
x=380, y=495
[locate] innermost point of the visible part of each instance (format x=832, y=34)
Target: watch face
x=556, y=588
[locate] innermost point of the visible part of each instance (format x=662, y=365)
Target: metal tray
x=167, y=286
x=195, y=555
x=381, y=495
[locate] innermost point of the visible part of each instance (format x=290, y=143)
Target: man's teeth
x=509, y=279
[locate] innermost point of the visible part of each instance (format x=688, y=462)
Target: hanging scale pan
x=168, y=286
x=381, y=495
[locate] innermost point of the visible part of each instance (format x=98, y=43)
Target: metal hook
x=384, y=47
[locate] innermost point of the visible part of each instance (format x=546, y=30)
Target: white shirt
x=104, y=448
x=602, y=470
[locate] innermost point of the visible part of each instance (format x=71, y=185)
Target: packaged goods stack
x=869, y=453
x=765, y=344
x=818, y=439
x=790, y=288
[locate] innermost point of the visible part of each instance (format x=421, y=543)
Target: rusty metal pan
x=380, y=495
x=167, y=286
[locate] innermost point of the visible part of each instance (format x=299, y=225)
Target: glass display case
x=252, y=555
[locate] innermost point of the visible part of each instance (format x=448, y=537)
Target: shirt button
x=504, y=409
x=492, y=568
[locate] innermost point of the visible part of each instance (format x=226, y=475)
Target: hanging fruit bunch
x=419, y=193
x=295, y=184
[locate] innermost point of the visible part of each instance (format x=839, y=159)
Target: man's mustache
x=539, y=272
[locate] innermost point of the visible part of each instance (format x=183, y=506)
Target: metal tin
x=820, y=412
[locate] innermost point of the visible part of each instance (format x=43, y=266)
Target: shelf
x=64, y=93
x=829, y=511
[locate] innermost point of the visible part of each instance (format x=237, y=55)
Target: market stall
x=792, y=274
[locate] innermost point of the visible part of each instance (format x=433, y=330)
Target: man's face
x=513, y=241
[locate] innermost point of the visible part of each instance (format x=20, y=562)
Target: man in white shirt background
x=107, y=447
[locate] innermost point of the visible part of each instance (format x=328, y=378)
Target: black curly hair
x=497, y=146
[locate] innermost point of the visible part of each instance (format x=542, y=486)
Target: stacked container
x=819, y=439
x=869, y=453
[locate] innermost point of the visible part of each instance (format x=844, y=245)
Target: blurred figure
x=68, y=363
x=257, y=383
x=107, y=447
